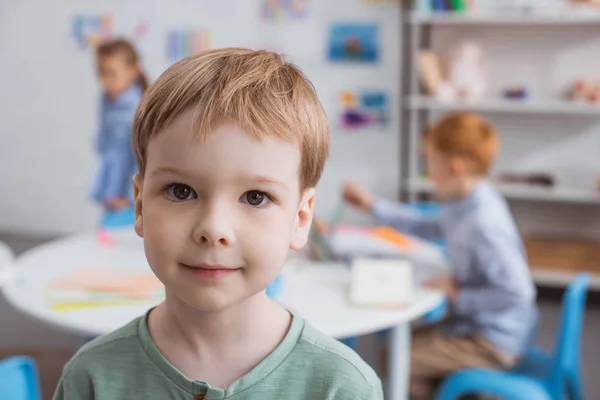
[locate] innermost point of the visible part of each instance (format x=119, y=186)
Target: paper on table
x=394, y=237
x=381, y=283
x=117, y=282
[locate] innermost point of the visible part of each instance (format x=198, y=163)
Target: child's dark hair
x=127, y=50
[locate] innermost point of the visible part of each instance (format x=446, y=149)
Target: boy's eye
x=180, y=192
x=255, y=198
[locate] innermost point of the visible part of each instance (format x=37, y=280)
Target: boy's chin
x=213, y=302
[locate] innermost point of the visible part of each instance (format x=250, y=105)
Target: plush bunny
x=466, y=74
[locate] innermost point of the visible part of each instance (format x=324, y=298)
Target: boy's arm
x=404, y=219
x=504, y=266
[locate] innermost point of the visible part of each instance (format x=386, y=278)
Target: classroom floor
x=51, y=361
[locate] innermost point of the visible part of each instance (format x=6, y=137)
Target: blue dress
x=113, y=144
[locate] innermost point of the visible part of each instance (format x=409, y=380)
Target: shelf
x=513, y=191
x=449, y=18
x=500, y=105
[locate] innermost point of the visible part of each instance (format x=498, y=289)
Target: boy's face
x=445, y=172
x=218, y=214
x=115, y=75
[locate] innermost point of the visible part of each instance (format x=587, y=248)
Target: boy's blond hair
x=468, y=136
x=256, y=90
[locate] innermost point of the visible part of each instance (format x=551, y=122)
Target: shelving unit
x=417, y=108
x=500, y=105
x=502, y=19
x=515, y=191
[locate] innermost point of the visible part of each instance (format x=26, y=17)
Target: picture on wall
x=90, y=30
x=351, y=42
x=182, y=43
x=284, y=9
x=364, y=109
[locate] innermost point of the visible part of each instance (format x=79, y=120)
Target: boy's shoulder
x=491, y=213
x=111, y=347
x=328, y=357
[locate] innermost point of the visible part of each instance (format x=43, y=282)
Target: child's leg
x=434, y=356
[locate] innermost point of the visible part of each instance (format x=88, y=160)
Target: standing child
x=123, y=84
x=230, y=145
x=491, y=294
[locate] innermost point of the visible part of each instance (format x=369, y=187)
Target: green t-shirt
x=126, y=364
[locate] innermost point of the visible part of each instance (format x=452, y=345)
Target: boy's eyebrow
x=165, y=170
x=254, y=178
x=266, y=180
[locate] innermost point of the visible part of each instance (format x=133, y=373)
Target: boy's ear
x=303, y=219
x=137, y=200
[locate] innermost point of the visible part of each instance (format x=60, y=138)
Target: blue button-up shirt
x=496, y=296
x=113, y=144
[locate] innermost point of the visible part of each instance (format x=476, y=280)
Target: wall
x=49, y=95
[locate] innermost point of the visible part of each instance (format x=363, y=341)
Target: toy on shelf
x=466, y=78
x=536, y=179
x=430, y=71
x=587, y=91
x=516, y=93
x=588, y=3
x=466, y=75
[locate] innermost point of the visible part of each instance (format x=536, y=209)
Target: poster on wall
x=363, y=110
x=352, y=42
x=89, y=30
x=183, y=43
x=273, y=10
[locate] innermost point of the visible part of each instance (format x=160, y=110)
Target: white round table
x=316, y=291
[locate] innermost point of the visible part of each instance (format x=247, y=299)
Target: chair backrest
x=568, y=342
x=19, y=379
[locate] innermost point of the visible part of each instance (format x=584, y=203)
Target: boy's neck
x=466, y=186
x=196, y=341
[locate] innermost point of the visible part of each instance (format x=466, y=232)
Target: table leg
x=398, y=362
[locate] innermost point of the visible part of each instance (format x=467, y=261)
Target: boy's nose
x=214, y=229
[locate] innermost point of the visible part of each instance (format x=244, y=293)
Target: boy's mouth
x=209, y=271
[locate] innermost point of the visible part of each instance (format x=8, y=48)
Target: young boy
x=230, y=145
x=490, y=291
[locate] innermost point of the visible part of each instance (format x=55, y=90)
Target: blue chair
x=437, y=314
x=539, y=376
x=19, y=379
x=350, y=342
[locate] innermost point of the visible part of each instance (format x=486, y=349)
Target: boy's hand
x=444, y=284
x=358, y=196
